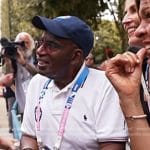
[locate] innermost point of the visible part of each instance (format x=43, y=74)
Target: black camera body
x=9, y=48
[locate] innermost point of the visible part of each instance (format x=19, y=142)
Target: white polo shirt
x=95, y=115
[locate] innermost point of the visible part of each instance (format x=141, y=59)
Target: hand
x=21, y=57
x=8, y=143
x=7, y=79
x=124, y=72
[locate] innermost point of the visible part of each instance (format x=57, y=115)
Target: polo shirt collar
x=70, y=85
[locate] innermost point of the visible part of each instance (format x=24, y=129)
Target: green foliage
x=110, y=34
x=23, y=11
x=116, y=9
x=21, y=17
x=106, y=37
x=4, y=19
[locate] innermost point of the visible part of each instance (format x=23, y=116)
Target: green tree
x=23, y=11
x=21, y=16
x=106, y=38
x=90, y=11
x=116, y=9
x=4, y=21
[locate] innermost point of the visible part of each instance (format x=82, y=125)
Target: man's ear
x=77, y=56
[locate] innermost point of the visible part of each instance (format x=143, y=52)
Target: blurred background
x=104, y=16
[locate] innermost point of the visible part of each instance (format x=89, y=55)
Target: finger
x=10, y=75
x=133, y=61
x=15, y=144
x=141, y=54
x=119, y=59
x=132, y=57
x=115, y=64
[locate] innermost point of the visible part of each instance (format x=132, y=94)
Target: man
x=25, y=68
x=74, y=107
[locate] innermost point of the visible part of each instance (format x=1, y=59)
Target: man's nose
x=141, y=30
x=41, y=50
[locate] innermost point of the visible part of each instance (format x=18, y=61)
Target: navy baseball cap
x=69, y=27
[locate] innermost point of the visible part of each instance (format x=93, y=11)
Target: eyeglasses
x=48, y=44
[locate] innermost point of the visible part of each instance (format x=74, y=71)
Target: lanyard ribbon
x=38, y=111
x=146, y=85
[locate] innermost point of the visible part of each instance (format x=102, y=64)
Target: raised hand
x=8, y=143
x=124, y=72
x=7, y=79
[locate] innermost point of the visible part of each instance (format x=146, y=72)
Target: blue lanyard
x=147, y=73
x=77, y=85
x=38, y=111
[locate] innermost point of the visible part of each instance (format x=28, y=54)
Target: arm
x=139, y=130
x=13, y=87
x=22, y=60
x=31, y=68
x=28, y=142
x=7, y=143
x=112, y=146
x=7, y=80
x=124, y=72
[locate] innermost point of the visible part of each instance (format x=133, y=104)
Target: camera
x=9, y=48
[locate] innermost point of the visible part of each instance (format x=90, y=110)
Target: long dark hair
x=137, y=4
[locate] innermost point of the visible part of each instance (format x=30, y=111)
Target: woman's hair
x=137, y=4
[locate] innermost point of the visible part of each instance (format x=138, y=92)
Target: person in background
x=108, y=54
x=9, y=95
x=71, y=106
x=130, y=23
x=125, y=73
x=25, y=68
x=7, y=143
x=90, y=60
x=102, y=65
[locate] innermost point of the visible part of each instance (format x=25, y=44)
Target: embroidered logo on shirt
x=85, y=118
x=38, y=113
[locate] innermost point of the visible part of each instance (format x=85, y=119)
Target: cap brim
x=49, y=25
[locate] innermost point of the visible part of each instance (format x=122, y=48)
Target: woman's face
x=131, y=21
x=143, y=31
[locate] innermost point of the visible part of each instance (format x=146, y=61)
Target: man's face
x=26, y=40
x=143, y=31
x=54, y=56
x=28, y=45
